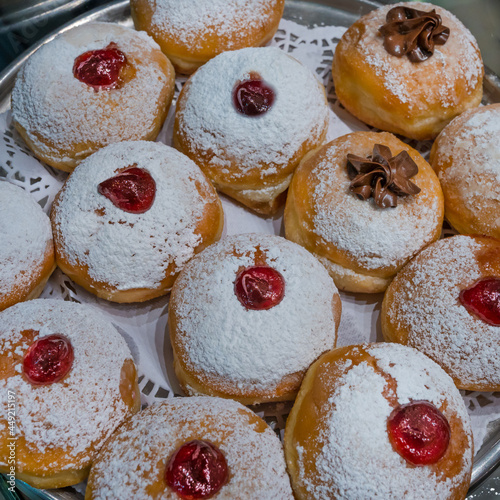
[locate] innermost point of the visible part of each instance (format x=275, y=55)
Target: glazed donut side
x=61, y=426
x=252, y=451
x=27, y=250
x=191, y=34
x=422, y=309
x=223, y=349
x=336, y=439
x=362, y=246
x=416, y=100
x=63, y=120
x=464, y=156
x=251, y=158
x=147, y=265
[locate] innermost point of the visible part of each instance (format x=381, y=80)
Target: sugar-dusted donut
x=129, y=218
x=68, y=380
x=378, y=421
x=247, y=118
x=197, y=447
x=407, y=69
x=466, y=158
x=191, y=32
x=445, y=303
x=343, y=210
x=94, y=85
x=26, y=248
x=248, y=316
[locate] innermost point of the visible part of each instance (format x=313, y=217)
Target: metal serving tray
x=319, y=12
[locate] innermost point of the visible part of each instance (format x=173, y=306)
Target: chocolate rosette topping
x=413, y=33
x=382, y=176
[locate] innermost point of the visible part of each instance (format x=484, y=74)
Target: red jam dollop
x=259, y=287
x=419, y=432
x=197, y=469
x=48, y=360
x=132, y=190
x=253, y=97
x=100, y=69
x=483, y=300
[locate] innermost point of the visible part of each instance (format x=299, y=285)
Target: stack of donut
x=253, y=318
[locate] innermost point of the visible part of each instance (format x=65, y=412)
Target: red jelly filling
x=100, y=69
x=253, y=97
x=419, y=432
x=132, y=190
x=259, y=287
x=48, y=360
x=483, y=300
x=198, y=469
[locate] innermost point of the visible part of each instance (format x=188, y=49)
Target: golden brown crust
x=307, y=428
x=462, y=157
x=429, y=287
x=412, y=99
x=27, y=291
x=188, y=56
x=324, y=171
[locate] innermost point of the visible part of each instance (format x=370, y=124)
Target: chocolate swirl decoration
x=382, y=176
x=413, y=33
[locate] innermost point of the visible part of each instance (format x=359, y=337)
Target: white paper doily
x=144, y=325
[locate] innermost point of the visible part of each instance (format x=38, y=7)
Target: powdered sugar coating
x=60, y=113
x=190, y=21
x=467, y=159
x=372, y=236
x=254, y=457
x=26, y=237
x=426, y=304
x=79, y=412
x=355, y=458
x=233, y=144
x=129, y=250
x=455, y=61
x=253, y=349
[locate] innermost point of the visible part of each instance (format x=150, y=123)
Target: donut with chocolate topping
x=408, y=71
x=364, y=204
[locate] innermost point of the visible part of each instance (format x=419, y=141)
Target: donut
x=190, y=32
x=408, y=71
x=246, y=118
x=445, y=304
x=68, y=380
x=248, y=316
x=197, y=447
x=378, y=421
x=26, y=250
x=466, y=158
x=355, y=215
x=129, y=218
x=91, y=86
